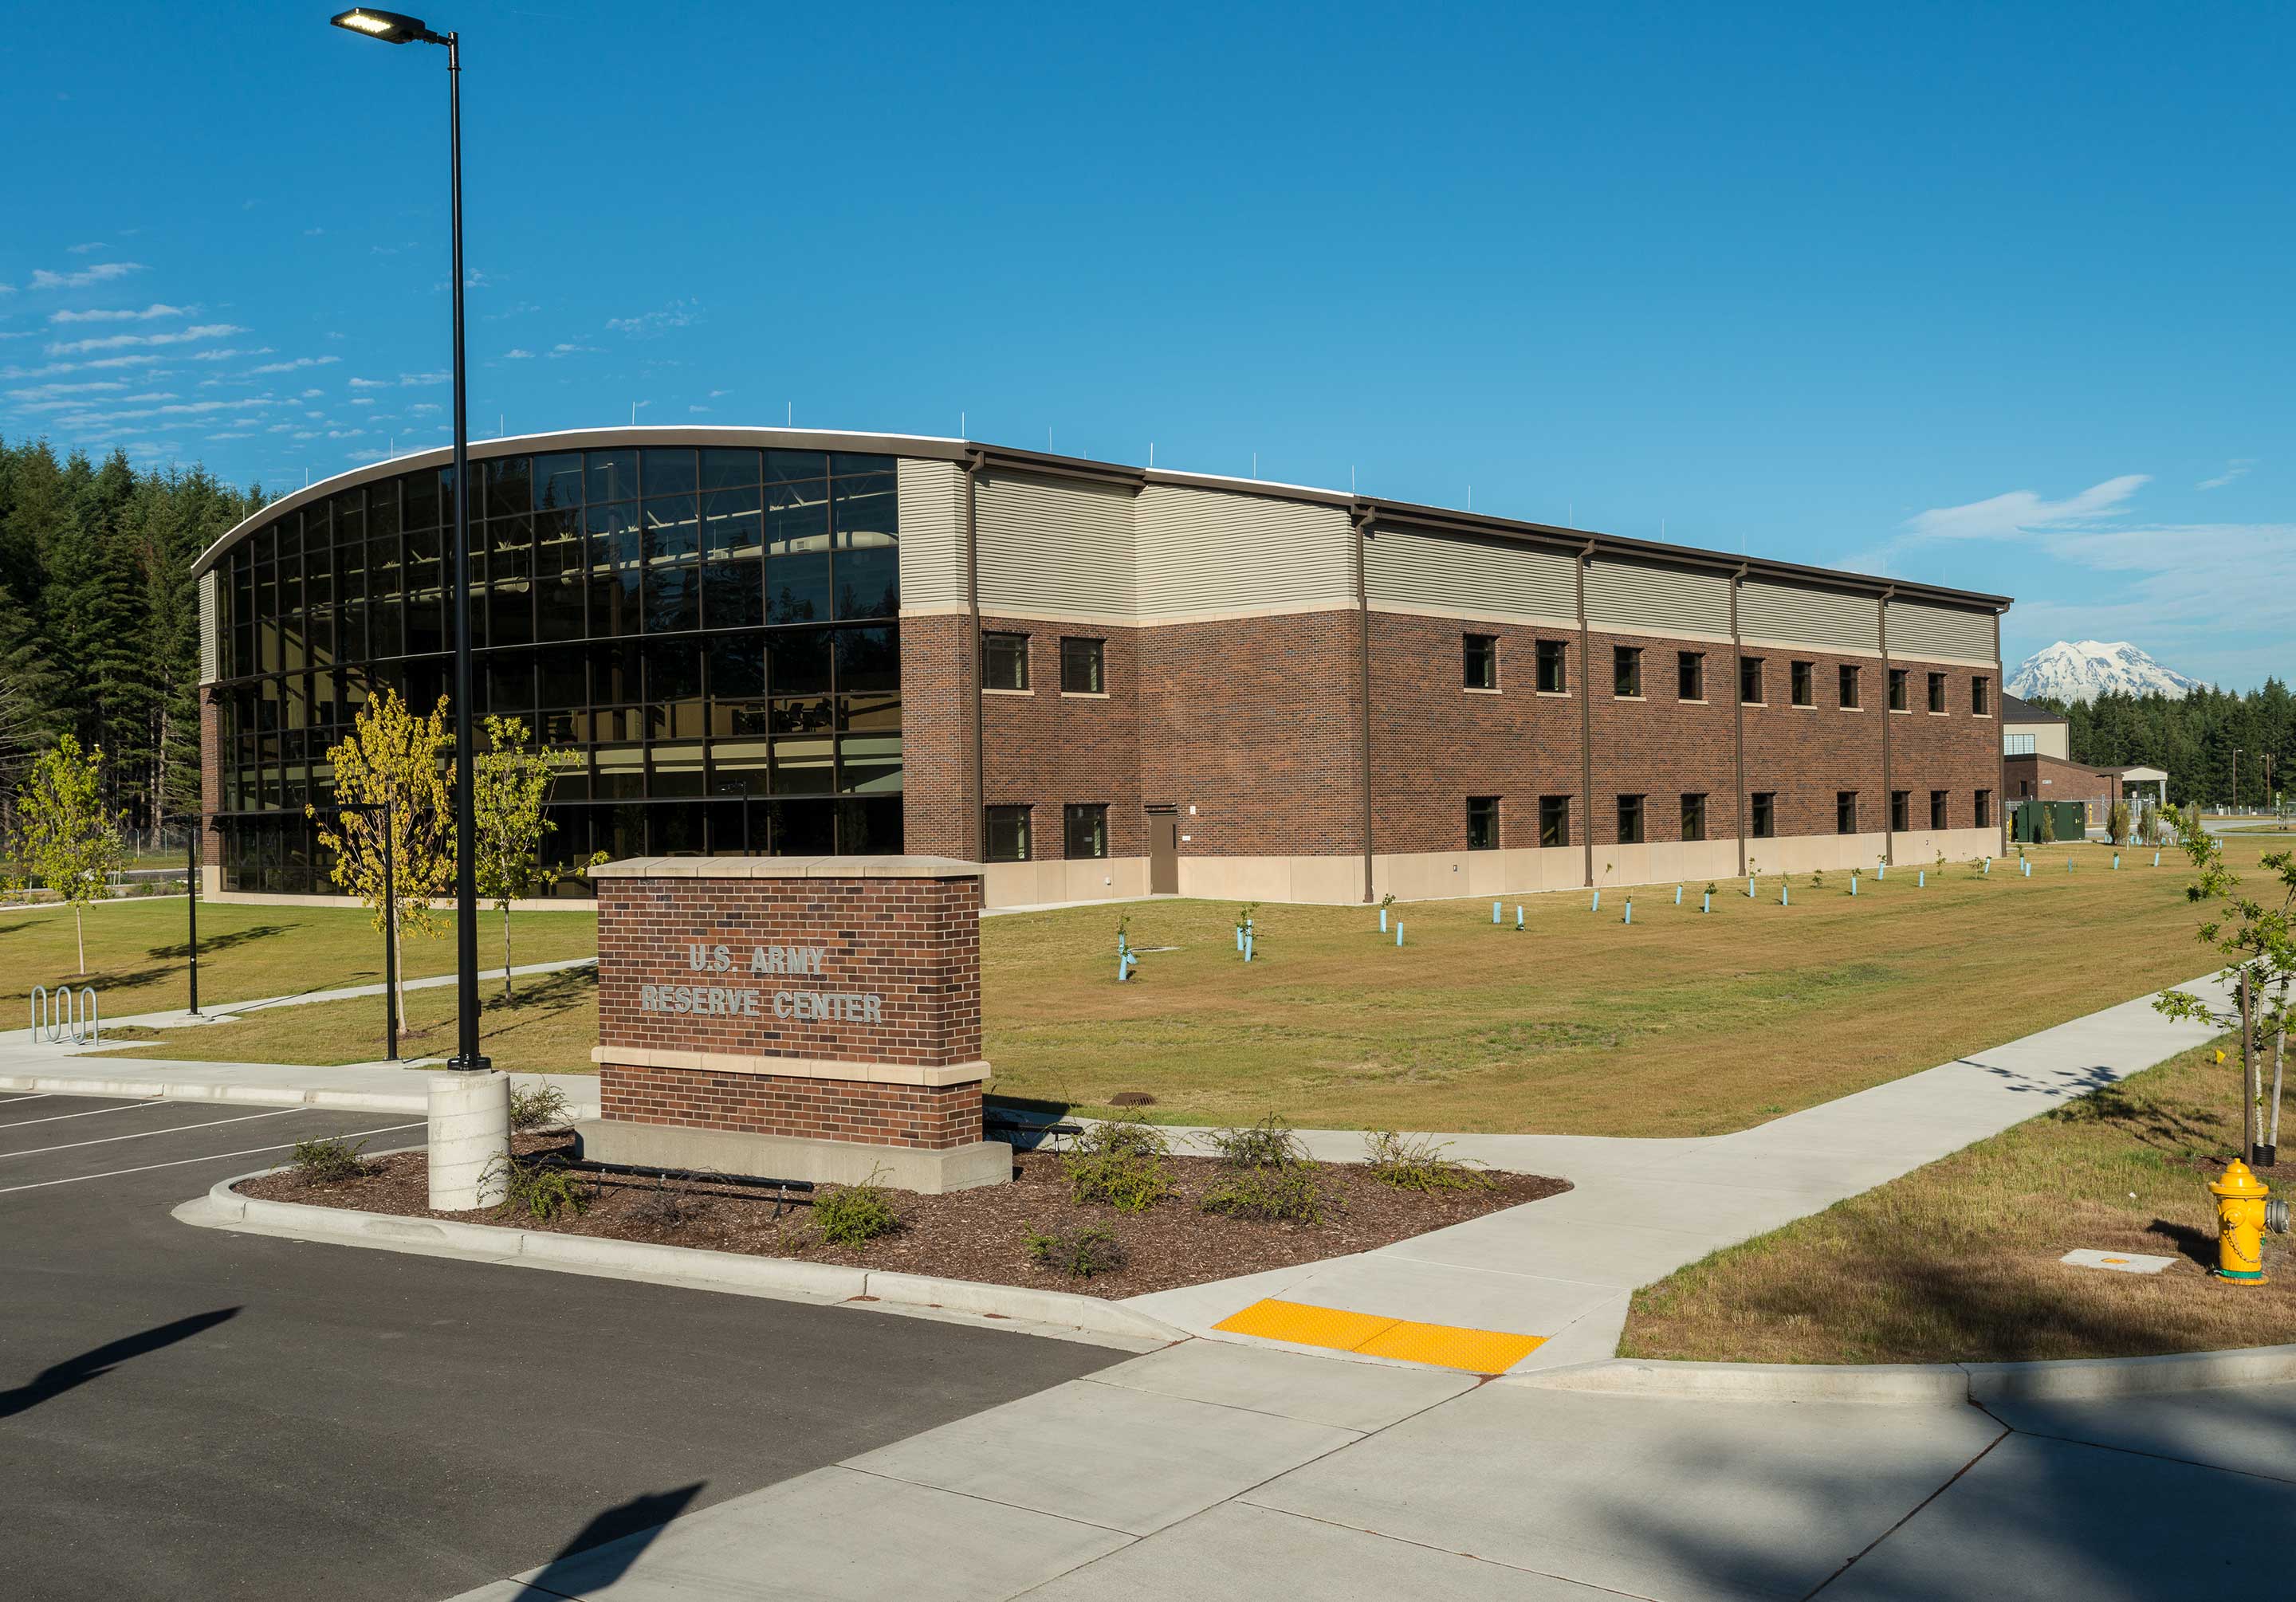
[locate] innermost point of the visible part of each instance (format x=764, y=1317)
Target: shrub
x=1270, y=1143
x=1291, y=1194
x=1127, y=1181
x=544, y=1190
x=1127, y=1134
x=1417, y=1162
x=330, y=1162
x=663, y=1208
x=1080, y=1252
x=855, y=1215
x=542, y=1107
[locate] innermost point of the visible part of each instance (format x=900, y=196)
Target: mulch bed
x=969, y=1234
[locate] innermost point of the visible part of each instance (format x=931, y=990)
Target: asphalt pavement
x=195, y=1413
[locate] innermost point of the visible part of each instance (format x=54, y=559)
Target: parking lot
x=190, y=1413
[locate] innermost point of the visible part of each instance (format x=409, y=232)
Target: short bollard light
x=2241, y=1198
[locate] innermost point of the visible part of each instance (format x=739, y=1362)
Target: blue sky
x=1995, y=296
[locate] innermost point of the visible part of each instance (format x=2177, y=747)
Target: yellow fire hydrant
x=2241, y=1198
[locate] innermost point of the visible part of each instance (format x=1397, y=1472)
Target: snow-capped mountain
x=2081, y=670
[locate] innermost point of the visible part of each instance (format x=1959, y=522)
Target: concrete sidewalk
x=1562, y=1270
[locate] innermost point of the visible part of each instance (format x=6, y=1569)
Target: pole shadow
x=603, y=1550
x=75, y=1372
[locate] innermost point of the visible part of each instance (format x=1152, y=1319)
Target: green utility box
x=2070, y=818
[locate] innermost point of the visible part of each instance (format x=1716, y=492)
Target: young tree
x=2256, y=938
x=69, y=839
x=512, y=780
x=392, y=789
x=2116, y=823
x=2047, y=831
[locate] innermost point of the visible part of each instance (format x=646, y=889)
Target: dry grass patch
x=1957, y=1261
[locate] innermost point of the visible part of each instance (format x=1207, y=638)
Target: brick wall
x=1806, y=756
x=1046, y=749
x=937, y=681
x=877, y=1114
x=1956, y=752
x=1661, y=746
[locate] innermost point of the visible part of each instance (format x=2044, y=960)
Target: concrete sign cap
x=787, y=867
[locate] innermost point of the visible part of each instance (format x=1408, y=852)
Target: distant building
x=2031, y=730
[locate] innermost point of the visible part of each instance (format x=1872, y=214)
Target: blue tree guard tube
x=1517, y=915
x=1988, y=867
x=1678, y=895
x=1785, y=898
x=1630, y=909
x=1853, y=884
x=2116, y=862
x=1247, y=948
x=1706, y=901
x=1399, y=931
x=1598, y=903
x=2156, y=858
x=1922, y=879
x=2069, y=864
x=2028, y=867
x=1495, y=914
x=1750, y=887
x=1880, y=870
x=1382, y=921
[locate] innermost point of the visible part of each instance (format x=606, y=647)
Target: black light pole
x=394, y=28
x=192, y=905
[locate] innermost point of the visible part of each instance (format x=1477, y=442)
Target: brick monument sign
x=795, y=1018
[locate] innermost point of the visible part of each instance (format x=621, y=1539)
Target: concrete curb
x=224, y=1208
x=2067, y=1380
x=164, y=1089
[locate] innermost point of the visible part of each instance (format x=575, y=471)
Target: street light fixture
x=393, y=27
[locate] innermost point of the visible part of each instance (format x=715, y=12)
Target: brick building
x=1099, y=680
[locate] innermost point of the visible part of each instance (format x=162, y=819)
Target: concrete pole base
x=470, y=1140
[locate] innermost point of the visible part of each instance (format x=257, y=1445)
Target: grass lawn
x=1682, y=1023
x=138, y=959
x=548, y=1027
x=1958, y=1262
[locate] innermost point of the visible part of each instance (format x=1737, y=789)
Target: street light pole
x=2234, y=804
x=191, y=903
x=394, y=28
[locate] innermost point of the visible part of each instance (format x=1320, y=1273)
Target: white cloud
x=2022, y=511
x=204, y=330
x=83, y=250
x=420, y=406
x=103, y=272
x=409, y=378
x=697, y=408
x=714, y=393
x=154, y=310
x=677, y=313
x=227, y=353
x=567, y=348
x=518, y=355
x=363, y=400
x=2234, y=470
x=39, y=392
x=370, y=383
x=299, y=362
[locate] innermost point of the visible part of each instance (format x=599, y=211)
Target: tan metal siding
x=932, y=534
x=210, y=628
x=1646, y=598
x=1472, y=577
x=1805, y=615
x=1918, y=629
x=1055, y=546
x=1206, y=551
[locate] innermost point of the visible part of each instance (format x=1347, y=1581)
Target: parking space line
x=213, y=1157
x=34, y=1096
x=147, y=1134
x=60, y=1117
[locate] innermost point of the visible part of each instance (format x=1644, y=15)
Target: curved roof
x=1368, y=510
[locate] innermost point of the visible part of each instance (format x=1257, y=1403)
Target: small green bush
x=1128, y=1181
x=855, y=1215
x=1417, y=1162
x=542, y=1107
x=328, y=1161
x=1291, y=1194
x=1080, y=1252
x=1127, y=1134
x=1270, y=1143
x=543, y=1190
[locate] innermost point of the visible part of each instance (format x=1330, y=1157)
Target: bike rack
x=59, y=1015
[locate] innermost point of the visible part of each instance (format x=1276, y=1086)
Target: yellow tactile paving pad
x=1444, y=1345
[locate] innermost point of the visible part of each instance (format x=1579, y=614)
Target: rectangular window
x=1937, y=692
x=1766, y=814
x=1081, y=668
x=1845, y=811
x=1083, y=831
x=1901, y=807
x=2017, y=744
x=1749, y=681
x=1937, y=809
x=1980, y=696
x=1004, y=666
x=1848, y=688
x=1690, y=675
x=1627, y=671
x=1693, y=817
x=1008, y=834
x=1985, y=809
x=1480, y=667
x=1805, y=683
x=1630, y=820
x=1554, y=678
x=1554, y=819
x=1897, y=702
x=1482, y=823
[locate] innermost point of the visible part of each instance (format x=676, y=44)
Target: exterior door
x=1163, y=851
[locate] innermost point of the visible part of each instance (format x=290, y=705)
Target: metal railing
x=59, y=1015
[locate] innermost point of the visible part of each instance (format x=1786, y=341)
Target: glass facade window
x=1805, y=683
x=1937, y=809
x=1845, y=811
x=1553, y=676
x=1084, y=667
x=1897, y=702
x=1482, y=823
x=1480, y=662
x=712, y=631
x=1554, y=819
x=1008, y=834
x=1630, y=820
x=1693, y=817
x=1690, y=676
x=1004, y=661
x=1848, y=687
x=1980, y=696
x=1749, y=681
x=1937, y=692
x=1984, y=800
x=1766, y=814
x=1627, y=671
x=1083, y=830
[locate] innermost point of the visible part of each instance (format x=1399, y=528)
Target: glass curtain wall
x=713, y=631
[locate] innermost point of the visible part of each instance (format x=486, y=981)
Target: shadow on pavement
x=631, y=1526
x=75, y=1372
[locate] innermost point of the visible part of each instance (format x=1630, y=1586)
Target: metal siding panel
x=1918, y=629
x=1806, y=615
x=1645, y=598
x=932, y=513
x=1446, y=573
x=1209, y=551
x=209, y=627
x=1054, y=546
